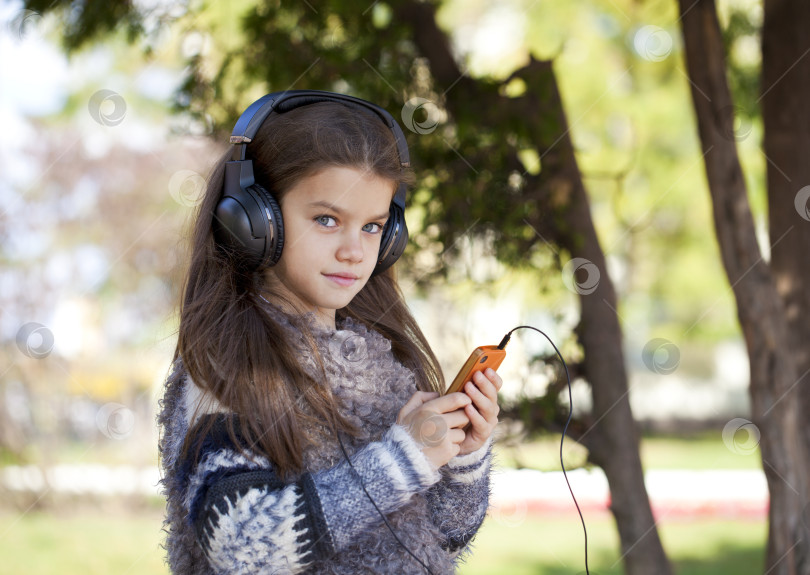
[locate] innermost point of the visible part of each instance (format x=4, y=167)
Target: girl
x=302, y=428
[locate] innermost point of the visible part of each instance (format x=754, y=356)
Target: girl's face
x=333, y=223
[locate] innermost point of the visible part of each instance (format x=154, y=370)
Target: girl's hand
x=483, y=411
x=436, y=423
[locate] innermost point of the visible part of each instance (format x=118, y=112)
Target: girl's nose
x=350, y=248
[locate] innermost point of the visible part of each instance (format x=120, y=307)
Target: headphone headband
x=248, y=124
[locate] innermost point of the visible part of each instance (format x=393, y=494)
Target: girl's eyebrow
x=340, y=211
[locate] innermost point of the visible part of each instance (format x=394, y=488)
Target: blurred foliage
x=639, y=157
x=87, y=20
x=628, y=108
x=90, y=244
x=630, y=118
x=95, y=544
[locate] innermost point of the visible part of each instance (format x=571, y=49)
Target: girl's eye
x=326, y=221
x=373, y=228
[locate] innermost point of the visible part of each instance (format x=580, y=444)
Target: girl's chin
x=335, y=303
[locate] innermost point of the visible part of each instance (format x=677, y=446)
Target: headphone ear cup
x=247, y=223
x=394, y=239
x=275, y=224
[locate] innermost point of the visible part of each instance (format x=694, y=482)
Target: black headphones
x=247, y=220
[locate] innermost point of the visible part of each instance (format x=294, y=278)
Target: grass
x=91, y=543
x=103, y=543
x=86, y=543
x=555, y=546
x=700, y=451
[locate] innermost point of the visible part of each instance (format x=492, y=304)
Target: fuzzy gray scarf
x=371, y=386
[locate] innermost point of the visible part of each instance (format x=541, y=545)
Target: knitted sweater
x=230, y=514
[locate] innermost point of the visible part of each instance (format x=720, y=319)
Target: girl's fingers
x=489, y=382
x=484, y=385
x=477, y=420
x=485, y=402
x=456, y=435
x=485, y=409
x=457, y=418
x=449, y=402
x=473, y=389
x=483, y=395
x=416, y=400
x=493, y=376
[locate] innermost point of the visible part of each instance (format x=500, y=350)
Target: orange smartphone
x=480, y=359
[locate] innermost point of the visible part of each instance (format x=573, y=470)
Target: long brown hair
x=229, y=344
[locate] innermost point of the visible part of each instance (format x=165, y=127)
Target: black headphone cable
x=501, y=345
x=382, y=515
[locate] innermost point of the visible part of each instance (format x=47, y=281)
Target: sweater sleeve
x=247, y=521
x=460, y=500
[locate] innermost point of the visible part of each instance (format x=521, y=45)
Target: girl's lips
x=344, y=280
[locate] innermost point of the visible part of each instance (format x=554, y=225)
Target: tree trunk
x=774, y=393
x=786, y=117
x=613, y=441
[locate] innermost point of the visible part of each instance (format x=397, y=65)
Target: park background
x=111, y=118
